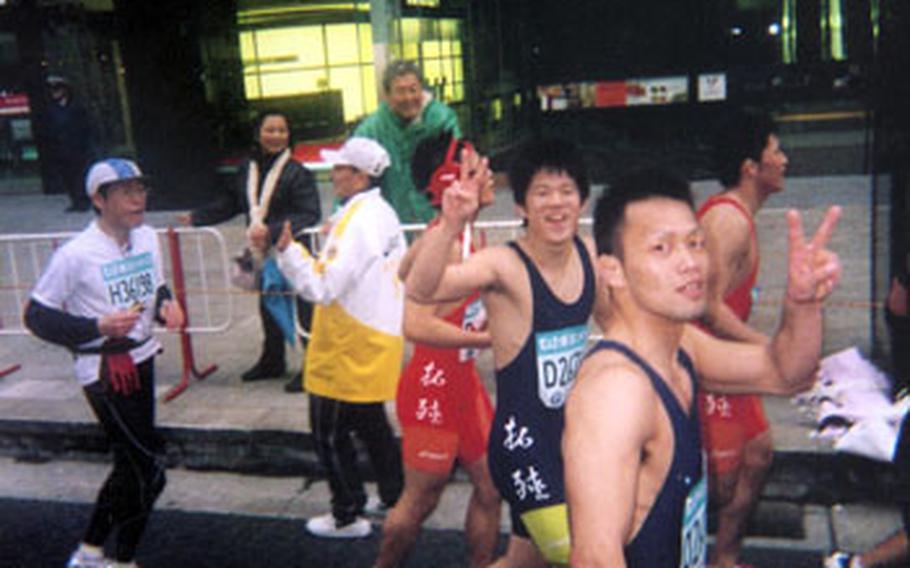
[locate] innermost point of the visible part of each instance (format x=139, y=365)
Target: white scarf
x=259, y=203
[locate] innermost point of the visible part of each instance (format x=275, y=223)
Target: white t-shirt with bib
x=91, y=276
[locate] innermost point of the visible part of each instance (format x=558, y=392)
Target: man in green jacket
x=408, y=115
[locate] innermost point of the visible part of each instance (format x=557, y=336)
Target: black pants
x=333, y=424
x=67, y=175
x=272, y=356
x=127, y=496
x=902, y=465
x=899, y=330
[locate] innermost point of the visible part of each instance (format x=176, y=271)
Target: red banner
x=16, y=103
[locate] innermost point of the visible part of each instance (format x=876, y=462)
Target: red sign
x=16, y=103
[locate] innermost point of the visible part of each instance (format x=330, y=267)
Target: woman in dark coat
x=279, y=189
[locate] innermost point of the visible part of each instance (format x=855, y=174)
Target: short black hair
x=264, y=114
x=638, y=185
x=400, y=68
x=742, y=135
x=547, y=155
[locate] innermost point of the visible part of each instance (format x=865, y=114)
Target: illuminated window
x=435, y=44
x=788, y=31
x=296, y=60
x=496, y=110
x=422, y=3
x=874, y=14
x=833, y=30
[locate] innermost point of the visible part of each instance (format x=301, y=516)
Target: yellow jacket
x=356, y=343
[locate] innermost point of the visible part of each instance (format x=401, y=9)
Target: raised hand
x=813, y=270
x=475, y=171
x=461, y=200
x=172, y=314
x=285, y=238
x=119, y=323
x=257, y=236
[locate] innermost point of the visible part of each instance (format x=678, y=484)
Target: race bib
x=694, y=537
x=129, y=280
x=475, y=316
x=559, y=355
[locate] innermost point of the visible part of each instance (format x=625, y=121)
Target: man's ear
x=97, y=200
x=610, y=271
x=520, y=212
x=748, y=169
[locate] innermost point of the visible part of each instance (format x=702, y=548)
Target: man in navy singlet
x=632, y=447
x=539, y=292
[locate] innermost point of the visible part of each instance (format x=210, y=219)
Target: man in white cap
x=355, y=351
x=98, y=297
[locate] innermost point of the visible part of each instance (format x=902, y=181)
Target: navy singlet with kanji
x=524, y=448
x=675, y=530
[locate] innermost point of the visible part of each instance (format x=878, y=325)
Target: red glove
x=120, y=373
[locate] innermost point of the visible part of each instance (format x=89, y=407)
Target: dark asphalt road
x=41, y=534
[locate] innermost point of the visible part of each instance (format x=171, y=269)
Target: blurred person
x=443, y=408
x=98, y=297
x=408, y=115
x=271, y=188
x=894, y=550
x=539, y=294
x=70, y=144
x=897, y=318
x=632, y=444
x=737, y=437
x=356, y=348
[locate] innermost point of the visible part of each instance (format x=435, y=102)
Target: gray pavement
x=43, y=401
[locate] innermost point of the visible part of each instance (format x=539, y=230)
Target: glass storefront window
x=288, y=60
x=342, y=42
x=438, y=53
x=299, y=60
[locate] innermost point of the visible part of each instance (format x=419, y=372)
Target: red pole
x=10, y=369
x=186, y=344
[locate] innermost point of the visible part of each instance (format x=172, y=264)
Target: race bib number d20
x=559, y=354
x=694, y=537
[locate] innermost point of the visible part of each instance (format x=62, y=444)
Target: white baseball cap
x=111, y=170
x=362, y=153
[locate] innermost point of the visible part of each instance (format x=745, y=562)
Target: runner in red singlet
x=736, y=434
x=443, y=408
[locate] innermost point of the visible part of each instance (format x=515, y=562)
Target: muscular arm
x=608, y=419
x=787, y=363
x=729, y=240
x=422, y=325
x=430, y=280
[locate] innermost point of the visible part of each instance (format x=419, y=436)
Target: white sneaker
x=375, y=507
x=326, y=527
x=82, y=559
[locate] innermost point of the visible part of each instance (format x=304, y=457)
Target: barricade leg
x=186, y=343
x=4, y=371
x=10, y=369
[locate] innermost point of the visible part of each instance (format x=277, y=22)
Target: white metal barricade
x=487, y=233
x=210, y=304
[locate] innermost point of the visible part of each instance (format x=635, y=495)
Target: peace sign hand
x=813, y=270
x=461, y=200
